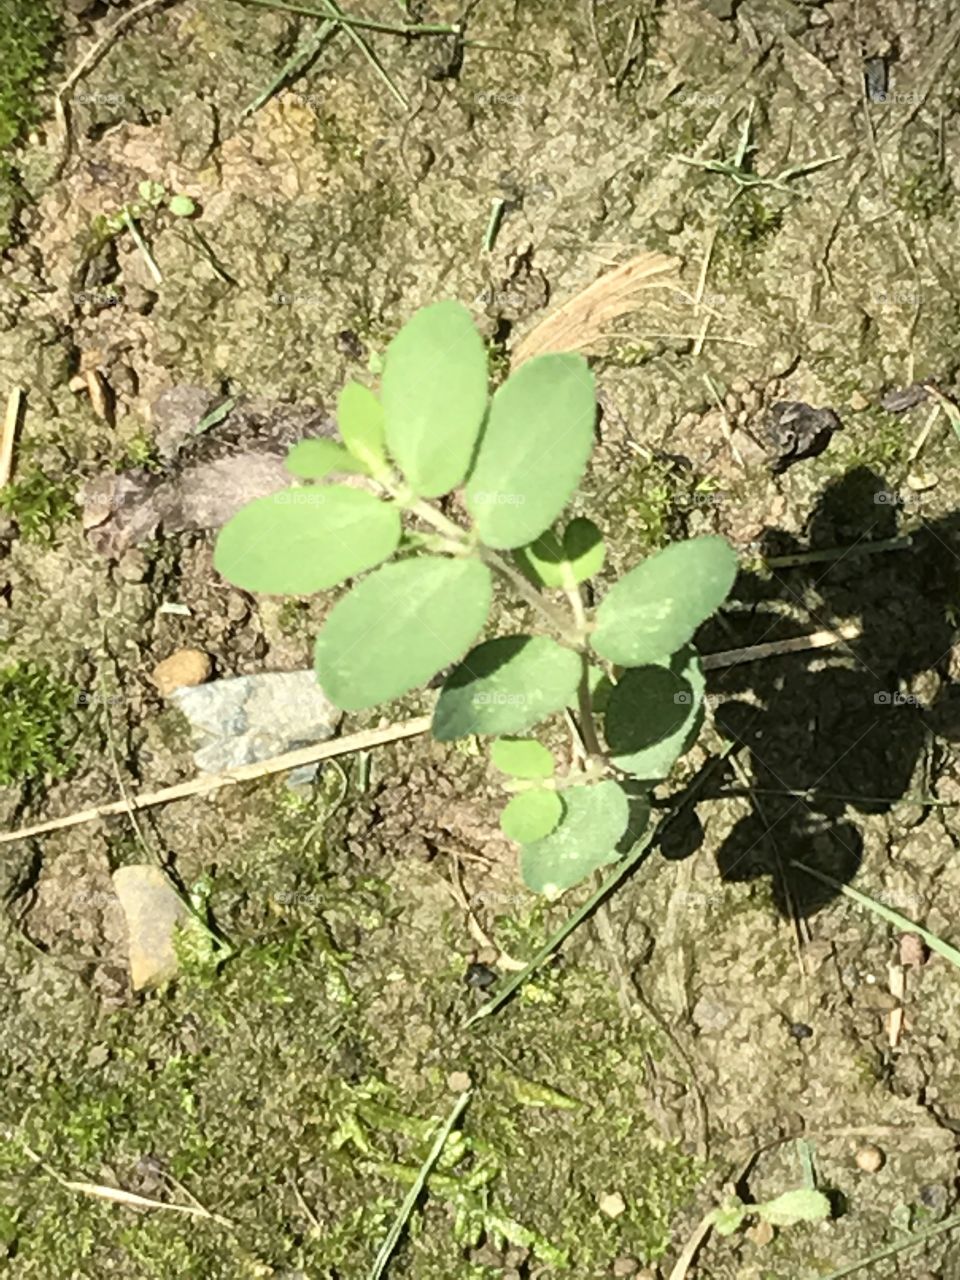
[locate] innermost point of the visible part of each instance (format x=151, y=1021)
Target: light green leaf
x=361, y=423
x=729, y=1217
x=803, y=1205
x=304, y=540
x=522, y=758
x=182, y=207
x=504, y=686
x=534, y=448
x=654, y=713
x=434, y=392
x=314, y=459
x=552, y=562
x=531, y=815
x=399, y=627
x=594, y=821
x=655, y=609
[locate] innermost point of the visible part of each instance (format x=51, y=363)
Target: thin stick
x=89, y=59
x=142, y=246
x=914, y=1241
x=118, y=1196
x=885, y=913
x=497, y=206
x=377, y=737
x=838, y=553
x=10, y=423
x=724, y=418
x=776, y=648
x=230, y=777
x=363, y=24
x=413, y=1195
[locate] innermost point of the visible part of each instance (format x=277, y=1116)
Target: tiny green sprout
x=182, y=206
x=805, y=1204
x=624, y=677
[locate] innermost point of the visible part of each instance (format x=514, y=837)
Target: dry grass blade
x=587, y=317
x=10, y=423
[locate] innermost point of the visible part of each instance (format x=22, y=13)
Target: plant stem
x=588, y=724
x=142, y=246
x=364, y=24
x=528, y=592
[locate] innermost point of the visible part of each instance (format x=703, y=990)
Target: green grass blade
x=886, y=913
x=364, y=47
x=912, y=1243
x=413, y=1195
x=309, y=49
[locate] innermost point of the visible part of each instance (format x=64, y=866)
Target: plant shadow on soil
x=832, y=732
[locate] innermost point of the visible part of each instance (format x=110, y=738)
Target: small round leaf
x=594, y=821
x=552, y=562
x=522, y=758
x=182, y=207
x=653, y=714
x=531, y=815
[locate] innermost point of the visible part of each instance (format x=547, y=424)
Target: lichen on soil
x=292, y=1091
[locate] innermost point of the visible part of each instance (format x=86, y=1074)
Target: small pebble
x=625, y=1266
x=760, y=1234
x=800, y=1031
x=870, y=1159
x=612, y=1204
x=913, y=951
x=858, y=402
x=458, y=1082
x=480, y=976
x=182, y=670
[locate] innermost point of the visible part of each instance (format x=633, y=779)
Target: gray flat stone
x=245, y=719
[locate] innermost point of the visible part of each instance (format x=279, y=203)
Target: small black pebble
x=480, y=975
x=800, y=1031
x=348, y=344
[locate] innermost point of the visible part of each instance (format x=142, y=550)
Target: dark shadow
x=829, y=733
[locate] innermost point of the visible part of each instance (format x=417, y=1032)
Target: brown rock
x=870, y=1159
x=152, y=911
x=913, y=950
x=182, y=670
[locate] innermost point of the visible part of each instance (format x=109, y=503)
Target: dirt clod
x=183, y=669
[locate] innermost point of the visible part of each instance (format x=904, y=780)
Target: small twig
x=89, y=59
x=455, y=885
x=362, y=24
x=118, y=1196
x=724, y=418
x=231, y=777
x=413, y=1195
x=498, y=204
x=776, y=648
x=839, y=553
x=142, y=246
x=11, y=422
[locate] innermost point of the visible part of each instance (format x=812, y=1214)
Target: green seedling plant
x=805, y=1204
x=152, y=198
x=625, y=675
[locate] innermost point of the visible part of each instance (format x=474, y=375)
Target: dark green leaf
x=552, y=562
x=314, y=459
x=434, y=397
x=531, y=815
x=594, y=821
x=534, y=448
x=504, y=686
x=653, y=715
x=655, y=609
x=304, y=540
x=522, y=758
x=399, y=627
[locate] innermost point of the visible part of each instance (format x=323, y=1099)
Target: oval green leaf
x=361, y=422
x=399, y=627
x=299, y=541
x=655, y=609
x=434, y=393
x=522, y=758
x=506, y=685
x=314, y=459
x=531, y=815
x=653, y=715
x=534, y=448
x=803, y=1205
x=552, y=562
x=594, y=821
